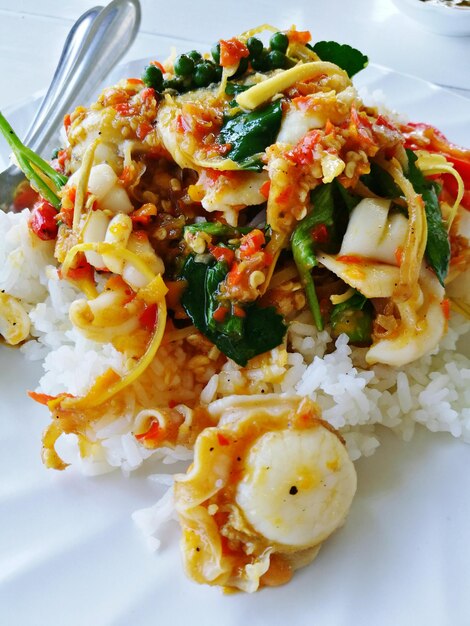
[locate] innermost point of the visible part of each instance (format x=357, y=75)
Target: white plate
x=437, y=18
x=71, y=555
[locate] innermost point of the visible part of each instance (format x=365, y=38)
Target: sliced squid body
x=373, y=233
x=367, y=260
x=96, y=124
x=104, y=125
x=227, y=194
x=104, y=184
x=422, y=325
x=139, y=244
x=313, y=111
x=94, y=231
x=184, y=149
x=105, y=317
x=375, y=237
x=296, y=464
x=374, y=280
x=459, y=286
x=167, y=117
x=118, y=232
x=14, y=320
x=283, y=479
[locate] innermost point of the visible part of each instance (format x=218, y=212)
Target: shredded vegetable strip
x=460, y=306
x=37, y=181
x=82, y=185
x=431, y=164
x=282, y=276
x=178, y=334
x=227, y=72
x=257, y=30
x=274, y=247
x=153, y=293
x=415, y=245
x=95, y=399
x=49, y=456
x=364, y=191
x=299, y=51
x=50, y=181
x=264, y=91
x=107, y=248
x=340, y=298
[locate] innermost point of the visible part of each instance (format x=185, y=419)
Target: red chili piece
x=43, y=220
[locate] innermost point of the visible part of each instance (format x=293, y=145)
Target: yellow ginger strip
x=299, y=51
x=49, y=456
x=340, y=298
x=274, y=247
x=430, y=163
x=257, y=30
x=100, y=396
x=82, y=186
x=264, y=91
x=118, y=252
x=460, y=306
x=153, y=293
x=178, y=334
x=416, y=239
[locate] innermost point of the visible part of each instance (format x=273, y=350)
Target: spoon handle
x=70, y=51
x=95, y=44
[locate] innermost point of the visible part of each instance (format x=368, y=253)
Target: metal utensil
x=97, y=41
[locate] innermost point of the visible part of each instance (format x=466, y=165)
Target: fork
x=96, y=42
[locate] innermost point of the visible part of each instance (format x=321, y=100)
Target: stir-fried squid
x=198, y=211
x=268, y=485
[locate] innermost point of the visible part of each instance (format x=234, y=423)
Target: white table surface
x=32, y=33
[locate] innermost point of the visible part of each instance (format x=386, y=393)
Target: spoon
x=97, y=41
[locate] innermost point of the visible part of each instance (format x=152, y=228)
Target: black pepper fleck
x=210, y=449
x=293, y=490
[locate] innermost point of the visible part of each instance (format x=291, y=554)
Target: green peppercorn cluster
x=192, y=70
x=265, y=59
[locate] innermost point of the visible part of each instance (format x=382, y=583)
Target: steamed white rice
x=432, y=391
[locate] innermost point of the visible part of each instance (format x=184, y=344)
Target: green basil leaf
x=239, y=338
x=233, y=89
x=217, y=229
x=331, y=205
x=223, y=231
x=353, y=317
x=438, y=244
x=346, y=57
x=380, y=182
x=252, y=163
x=249, y=134
x=213, y=277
